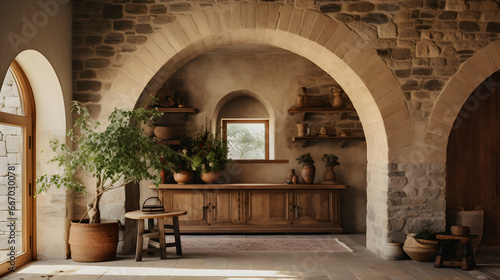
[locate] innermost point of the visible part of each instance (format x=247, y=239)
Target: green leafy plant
x=115, y=157
x=208, y=153
x=330, y=160
x=305, y=158
x=426, y=235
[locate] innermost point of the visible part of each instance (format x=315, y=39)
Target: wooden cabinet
x=267, y=207
x=252, y=208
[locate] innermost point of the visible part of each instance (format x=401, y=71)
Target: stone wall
x=423, y=42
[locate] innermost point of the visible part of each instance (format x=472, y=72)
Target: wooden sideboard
x=254, y=208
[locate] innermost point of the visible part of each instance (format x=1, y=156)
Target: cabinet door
x=315, y=207
x=268, y=207
x=192, y=201
x=225, y=207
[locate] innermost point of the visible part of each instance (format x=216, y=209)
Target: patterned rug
x=203, y=245
x=491, y=271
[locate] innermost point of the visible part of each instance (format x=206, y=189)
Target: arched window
x=245, y=125
x=16, y=170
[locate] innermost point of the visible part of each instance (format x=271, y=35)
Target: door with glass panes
x=16, y=170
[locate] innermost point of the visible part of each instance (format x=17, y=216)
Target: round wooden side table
x=160, y=216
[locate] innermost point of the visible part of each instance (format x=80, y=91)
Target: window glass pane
x=10, y=97
x=11, y=188
x=246, y=140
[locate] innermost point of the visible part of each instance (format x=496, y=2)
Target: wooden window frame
x=249, y=121
x=27, y=122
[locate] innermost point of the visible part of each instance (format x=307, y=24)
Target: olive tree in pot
x=116, y=156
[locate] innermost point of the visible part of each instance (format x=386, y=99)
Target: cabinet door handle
x=204, y=212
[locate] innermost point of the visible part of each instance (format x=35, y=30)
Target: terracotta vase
x=308, y=172
x=300, y=101
x=183, y=177
x=329, y=174
x=336, y=99
x=210, y=177
x=394, y=251
x=301, y=129
x=163, y=176
x=290, y=175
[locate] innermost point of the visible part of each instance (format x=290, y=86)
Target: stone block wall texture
x=10, y=155
x=423, y=42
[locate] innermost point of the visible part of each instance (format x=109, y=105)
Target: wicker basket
x=93, y=242
x=420, y=250
x=474, y=219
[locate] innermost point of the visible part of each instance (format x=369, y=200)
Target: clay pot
x=420, y=250
x=329, y=174
x=336, y=99
x=210, y=177
x=308, y=173
x=289, y=176
x=163, y=175
x=301, y=129
x=183, y=177
x=394, y=251
x=148, y=129
x=93, y=242
x=169, y=132
x=460, y=230
x=300, y=101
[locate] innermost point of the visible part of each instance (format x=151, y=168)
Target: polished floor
x=361, y=264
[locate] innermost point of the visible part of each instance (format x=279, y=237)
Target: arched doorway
x=16, y=161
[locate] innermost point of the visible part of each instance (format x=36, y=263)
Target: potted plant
x=209, y=155
x=421, y=246
x=179, y=164
x=308, y=170
x=115, y=156
x=331, y=161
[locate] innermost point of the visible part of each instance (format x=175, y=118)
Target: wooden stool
x=141, y=216
x=467, y=262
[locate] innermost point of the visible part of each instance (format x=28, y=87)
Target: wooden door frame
x=29, y=203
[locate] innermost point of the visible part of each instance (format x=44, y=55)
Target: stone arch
x=454, y=95
x=372, y=87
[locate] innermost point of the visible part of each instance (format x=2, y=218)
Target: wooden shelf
x=344, y=140
x=176, y=110
x=320, y=110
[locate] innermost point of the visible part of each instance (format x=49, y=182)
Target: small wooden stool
x=141, y=216
x=467, y=262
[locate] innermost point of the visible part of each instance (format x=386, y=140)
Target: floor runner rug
x=263, y=245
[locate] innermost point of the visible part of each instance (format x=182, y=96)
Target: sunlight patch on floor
x=151, y=271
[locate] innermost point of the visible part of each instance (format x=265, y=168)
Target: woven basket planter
x=93, y=242
x=474, y=219
x=420, y=250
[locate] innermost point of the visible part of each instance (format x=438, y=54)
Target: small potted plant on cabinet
x=114, y=157
x=308, y=170
x=209, y=155
x=331, y=161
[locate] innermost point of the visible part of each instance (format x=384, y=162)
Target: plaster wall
x=277, y=79
x=44, y=29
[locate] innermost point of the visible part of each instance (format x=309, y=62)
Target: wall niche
x=276, y=77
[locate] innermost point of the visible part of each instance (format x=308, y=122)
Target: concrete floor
x=362, y=264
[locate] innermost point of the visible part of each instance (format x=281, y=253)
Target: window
x=16, y=169
x=247, y=138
